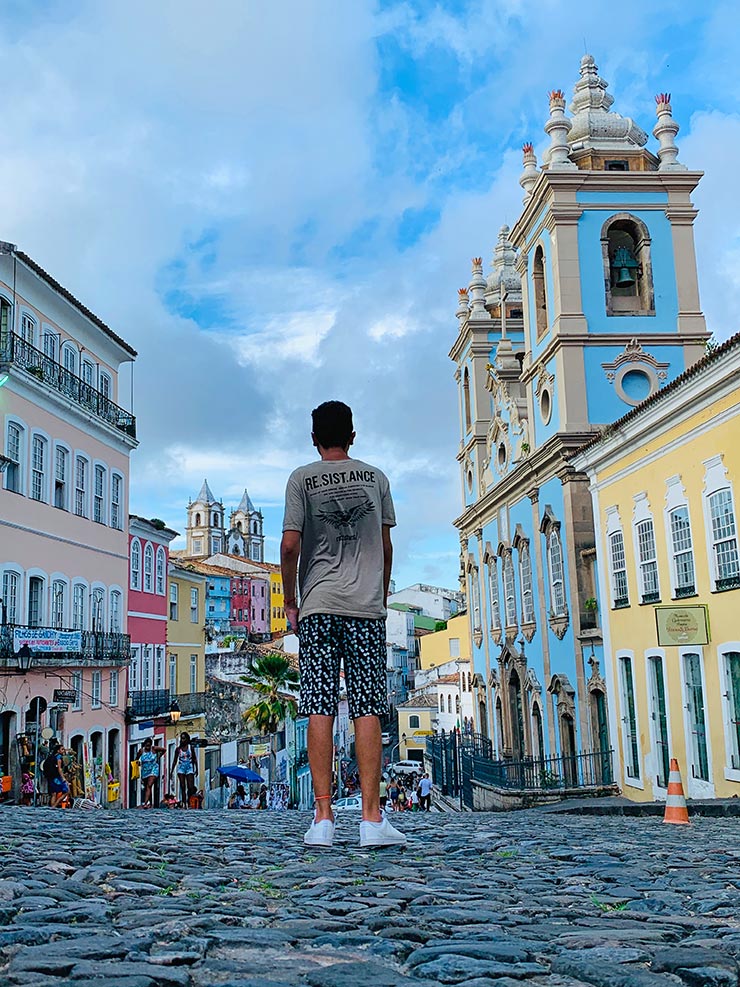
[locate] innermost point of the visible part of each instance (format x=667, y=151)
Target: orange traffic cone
x=675, y=803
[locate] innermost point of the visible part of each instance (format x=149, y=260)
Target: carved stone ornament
x=529, y=630
x=560, y=687
x=634, y=354
x=596, y=681
x=478, y=637
x=559, y=623
x=531, y=681
x=544, y=380
x=493, y=679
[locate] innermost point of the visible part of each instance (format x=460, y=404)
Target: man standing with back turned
x=338, y=518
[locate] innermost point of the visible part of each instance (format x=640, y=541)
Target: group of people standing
x=183, y=770
x=409, y=795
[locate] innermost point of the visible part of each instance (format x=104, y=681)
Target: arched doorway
x=537, y=732
x=568, y=748
x=9, y=766
x=499, y=726
x=517, y=716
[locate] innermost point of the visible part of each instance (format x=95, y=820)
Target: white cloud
x=225, y=188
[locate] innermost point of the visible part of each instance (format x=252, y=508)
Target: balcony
x=15, y=351
x=52, y=647
x=147, y=703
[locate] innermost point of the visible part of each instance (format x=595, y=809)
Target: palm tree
x=273, y=678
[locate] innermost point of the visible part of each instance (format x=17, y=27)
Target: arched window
x=15, y=451
x=197, y=520
x=493, y=594
x=413, y=722
x=115, y=611
x=525, y=580
x=35, y=601
x=457, y=705
x=509, y=589
x=441, y=703
x=11, y=597
x=628, y=273
x=466, y=399
x=58, y=603
x=28, y=329
x=449, y=702
x=69, y=358
x=475, y=598
x=542, y=320
x=148, y=569
x=39, y=467
x=135, y=564
x=98, y=609
x=557, y=579
x=79, y=594
x=160, y=571
x=215, y=520
x=255, y=528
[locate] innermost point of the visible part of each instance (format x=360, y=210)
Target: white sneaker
x=320, y=833
x=380, y=834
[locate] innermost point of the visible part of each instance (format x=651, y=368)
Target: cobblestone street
x=136, y=899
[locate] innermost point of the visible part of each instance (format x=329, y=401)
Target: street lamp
x=24, y=657
x=175, y=713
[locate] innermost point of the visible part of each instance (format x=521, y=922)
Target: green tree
x=273, y=678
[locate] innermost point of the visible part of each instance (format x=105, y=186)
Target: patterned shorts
x=327, y=640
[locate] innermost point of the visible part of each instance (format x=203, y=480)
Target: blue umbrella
x=240, y=773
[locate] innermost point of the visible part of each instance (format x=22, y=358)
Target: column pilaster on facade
x=557, y=128
x=665, y=131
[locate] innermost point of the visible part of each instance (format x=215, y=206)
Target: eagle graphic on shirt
x=348, y=518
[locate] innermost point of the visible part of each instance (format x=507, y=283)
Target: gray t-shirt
x=340, y=508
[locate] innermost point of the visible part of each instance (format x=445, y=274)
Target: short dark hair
x=332, y=424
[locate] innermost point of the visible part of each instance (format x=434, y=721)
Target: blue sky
x=276, y=203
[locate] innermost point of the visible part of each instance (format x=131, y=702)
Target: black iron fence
x=16, y=350
x=148, y=702
x=191, y=703
x=460, y=760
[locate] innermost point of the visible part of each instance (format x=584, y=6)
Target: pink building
x=150, y=690
x=64, y=454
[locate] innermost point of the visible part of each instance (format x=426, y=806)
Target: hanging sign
x=678, y=626
x=65, y=696
x=45, y=639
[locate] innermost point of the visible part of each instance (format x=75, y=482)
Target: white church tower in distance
x=204, y=531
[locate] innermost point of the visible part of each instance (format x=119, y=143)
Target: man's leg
x=320, y=757
x=369, y=754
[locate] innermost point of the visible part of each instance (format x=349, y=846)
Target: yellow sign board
x=679, y=626
x=423, y=733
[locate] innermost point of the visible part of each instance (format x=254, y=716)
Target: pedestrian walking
x=185, y=768
x=338, y=518
x=414, y=800
x=402, y=799
x=383, y=788
x=148, y=758
x=393, y=793
x=425, y=792
x=52, y=768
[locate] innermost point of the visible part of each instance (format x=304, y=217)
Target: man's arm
x=387, y=560
x=290, y=550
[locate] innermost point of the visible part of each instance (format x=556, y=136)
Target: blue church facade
x=591, y=305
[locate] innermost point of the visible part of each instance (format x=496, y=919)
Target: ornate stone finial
x=558, y=127
x=477, y=291
x=504, y=282
x=463, y=304
x=665, y=131
x=528, y=177
x=594, y=124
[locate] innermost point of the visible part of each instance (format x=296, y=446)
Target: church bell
x=623, y=267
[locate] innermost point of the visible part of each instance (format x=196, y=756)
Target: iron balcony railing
x=96, y=647
x=14, y=349
x=146, y=703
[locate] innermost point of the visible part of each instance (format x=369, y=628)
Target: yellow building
x=186, y=668
x=415, y=725
x=664, y=483
x=278, y=623
x=446, y=645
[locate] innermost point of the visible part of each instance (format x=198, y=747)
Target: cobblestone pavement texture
x=189, y=899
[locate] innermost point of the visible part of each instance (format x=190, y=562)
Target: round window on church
x=545, y=406
x=501, y=456
x=634, y=383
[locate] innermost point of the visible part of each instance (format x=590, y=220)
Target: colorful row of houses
x=103, y=631
x=598, y=466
